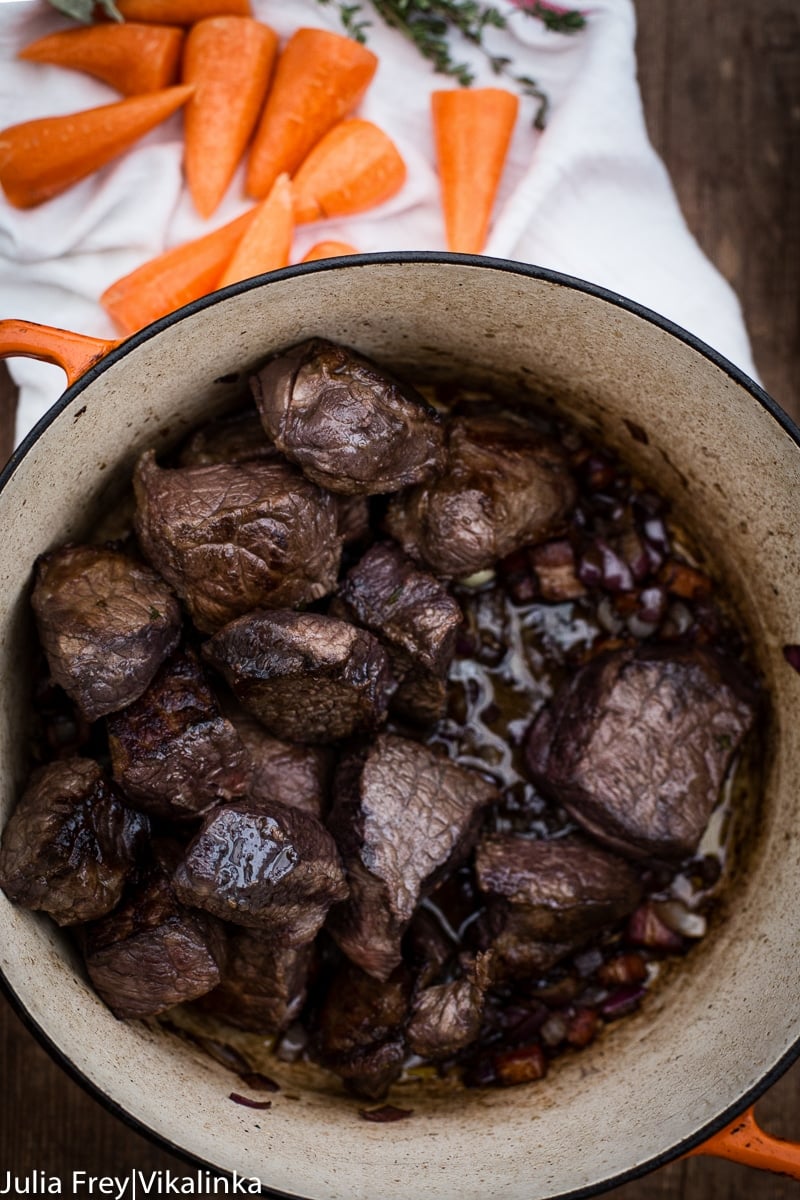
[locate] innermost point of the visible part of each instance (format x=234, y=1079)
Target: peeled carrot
x=319, y=79
x=328, y=250
x=174, y=278
x=229, y=61
x=268, y=240
x=131, y=58
x=39, y=159
x=181, y=12
x=354, y=167
x=472, y=129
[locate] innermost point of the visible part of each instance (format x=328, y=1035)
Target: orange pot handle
x=73, y=352
x=743, y=1141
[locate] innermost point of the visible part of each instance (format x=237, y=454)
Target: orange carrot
x=229, y=62
x=472, y=129
x=268, y=240
x=181, y=12
x=319, y=79
x=354, y=167
x=328, y=250
x=174, y=278
x=39, y=159
x=131, y=58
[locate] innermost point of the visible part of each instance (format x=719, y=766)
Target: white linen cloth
x=588, y=196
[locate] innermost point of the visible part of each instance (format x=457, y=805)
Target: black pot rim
x=400, y=258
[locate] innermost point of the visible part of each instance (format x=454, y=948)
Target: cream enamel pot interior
x=716, y=1032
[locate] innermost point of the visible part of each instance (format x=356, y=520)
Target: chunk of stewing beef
x=307, y=677
x=637, y=743
x=361, y=1029
x=267, y=867
x=152, y=952
x=446, y=1017
x=548, y=898
x=106, y=624
x=70, y=844
x=234, y=537
x=172, y=752
x=233, y=439
x=415, y=618
x=505, y=486
x=299, y=776
x=264, y=982
x=402, y=816
x=349, y=425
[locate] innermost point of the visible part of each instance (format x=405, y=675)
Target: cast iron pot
x=717, y=1032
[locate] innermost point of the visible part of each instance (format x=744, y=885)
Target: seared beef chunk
x=267, y=867
x=349, y=425
x=295, y=775
x=548, y=898
x=263, y=984
x=414, y=616
x=152, y=952
x=402, y=815
x=230, y=538
x=447, y=1017
x=307, y=677
x=172, y=751
x=354, y=516
x=235, y=439
x=637, y=743
x=106, y=624
x=505, y=486
x=361, y=1028
x=70, y=843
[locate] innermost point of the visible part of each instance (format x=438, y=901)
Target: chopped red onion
x=623, y=1001
x=652, y=604
x=583, y=1026
x=792, y=655
x=680, y=919
x=623, y=969
x=645, y=928
x=607, y=616
x=656, y=532
x=640, y=628
x=247, y=1102
x=554, y=1031
x=522, y=1065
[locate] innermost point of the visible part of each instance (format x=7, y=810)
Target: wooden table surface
x=721, y=87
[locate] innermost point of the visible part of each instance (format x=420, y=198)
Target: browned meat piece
x=153, y=953
x=637, y=744
x=172, y=751
x=427, y=947
x=349, y=425
x=231, y=538
x=271, y=868
x=235, y=439
x=361, y=1029
x=106, y=624
x=354, y=515
x=447, y=1017
x=505, y=485
x=402, y=816
x=414, y=616
x=307, y=677
x=295, y=775
x=263, y=984
x=549, y=898
x=70, y=844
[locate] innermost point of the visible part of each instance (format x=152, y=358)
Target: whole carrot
x=39, y=159
x=181, y=12
x=229, y=61
x=320, y=78
x=173, y=278
x=268, y=239
x=472, y=130
x=129, y=57
x=354, y=167
x=328, y=250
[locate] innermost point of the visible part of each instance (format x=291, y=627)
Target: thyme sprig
x=427, y=24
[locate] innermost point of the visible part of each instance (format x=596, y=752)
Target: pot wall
x=713, y=1029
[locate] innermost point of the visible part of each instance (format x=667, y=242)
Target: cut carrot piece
x=39, y=159
x=174, y=278
x=328, y=250
x=229, y=61
x=268, y=240
x=131, y=58
x=319, y=79
x=181, y=12
x=354, y=167
x=472, y=129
